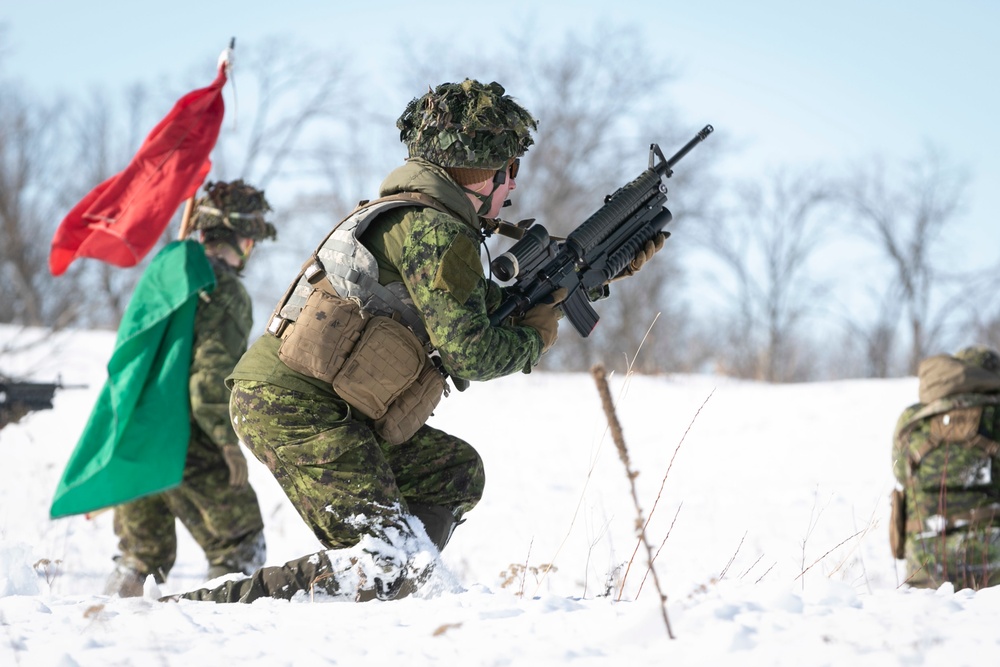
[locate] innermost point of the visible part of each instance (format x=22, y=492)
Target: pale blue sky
x=790, y=81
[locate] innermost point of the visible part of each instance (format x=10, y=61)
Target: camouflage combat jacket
x=221, y=330
x=437, y=257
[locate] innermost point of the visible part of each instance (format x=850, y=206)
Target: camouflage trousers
x=967, y=559
x=334, y=468
x=225, y=522
x=348, y=484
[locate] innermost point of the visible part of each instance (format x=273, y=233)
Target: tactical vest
x=339, y=324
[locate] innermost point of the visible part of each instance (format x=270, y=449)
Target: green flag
x=135, y=441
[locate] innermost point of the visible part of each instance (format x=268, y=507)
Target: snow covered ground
x=775, y=498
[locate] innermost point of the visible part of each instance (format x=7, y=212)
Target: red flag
x=120, y=220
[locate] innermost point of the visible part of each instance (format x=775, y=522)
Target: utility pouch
x=897, y=525
x=413, y=407
x=386, y=360
x=956, y=425
x=318, y=343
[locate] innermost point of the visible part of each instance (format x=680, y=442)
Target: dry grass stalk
x=524, y=573
x=659, y=494
x=656, y=555
x=732, y=558
x=628, y=374
x=840, y=544
x=600, y=377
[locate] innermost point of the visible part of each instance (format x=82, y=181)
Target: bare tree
x=292, y=95
x=293, y=128
x=979, y=309
x=31, y=137
x=50, y=156
x=105, y=131
x=906, y=221
x=764, y=243
x=984, y=330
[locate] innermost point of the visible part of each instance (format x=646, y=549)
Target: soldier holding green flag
x=159, y=445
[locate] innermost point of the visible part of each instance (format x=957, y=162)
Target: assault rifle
x=18, y=398
x=595, y=252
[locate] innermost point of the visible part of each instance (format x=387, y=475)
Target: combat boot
x=439, y=522
x=246, y=558
x=313, y=574
x=127, y=582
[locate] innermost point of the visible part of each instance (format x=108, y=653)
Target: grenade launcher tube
x=595, y=252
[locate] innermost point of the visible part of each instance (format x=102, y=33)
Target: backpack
x=944, y=375
x=949, y=445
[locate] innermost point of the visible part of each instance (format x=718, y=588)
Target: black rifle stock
x=595, y=252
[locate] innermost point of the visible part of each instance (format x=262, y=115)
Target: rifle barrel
x=676, y=157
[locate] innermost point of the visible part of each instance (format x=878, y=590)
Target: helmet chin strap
x=485, y=201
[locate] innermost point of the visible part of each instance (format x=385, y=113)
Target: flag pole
x=186, y=219
x=224, y=58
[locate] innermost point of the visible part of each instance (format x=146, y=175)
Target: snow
x=767, y=506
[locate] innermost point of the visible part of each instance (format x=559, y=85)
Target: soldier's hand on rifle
x=544, y=318
x=644, y=255
x=237, y=463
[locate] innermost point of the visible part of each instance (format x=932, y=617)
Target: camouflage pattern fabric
x=466, y=125
x=952, y=495
x=347, y=484
x=327, y=459
x=358, y=575
x=333, y=467
x=236, y=207
x=981, y=356
x=310, y=574
x=427, y=251
x=225, y=521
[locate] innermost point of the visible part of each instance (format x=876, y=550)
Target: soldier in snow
x=334, y=397
x=946, y=459
x=215, y=502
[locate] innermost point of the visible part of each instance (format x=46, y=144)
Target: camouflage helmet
x=466, y=125
x=232, y=208
x=980, y=356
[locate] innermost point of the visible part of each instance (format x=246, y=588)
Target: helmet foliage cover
x=980, y=356
x=233, y=207
x=466, y=125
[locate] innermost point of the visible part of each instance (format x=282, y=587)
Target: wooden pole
x=186, y=219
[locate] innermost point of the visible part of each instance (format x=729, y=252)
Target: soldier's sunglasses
x=515, y=166
x=501, y=176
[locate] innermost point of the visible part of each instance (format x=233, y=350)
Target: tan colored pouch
x=897, y=525
x=413, y=407
x=956, y=425
x=318, y=343
x=384, y=363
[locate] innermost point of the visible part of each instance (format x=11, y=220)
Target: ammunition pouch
x=338, y=324
x=375, y=364
x=318, y=343
x=383, y=364
x=414, y=406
